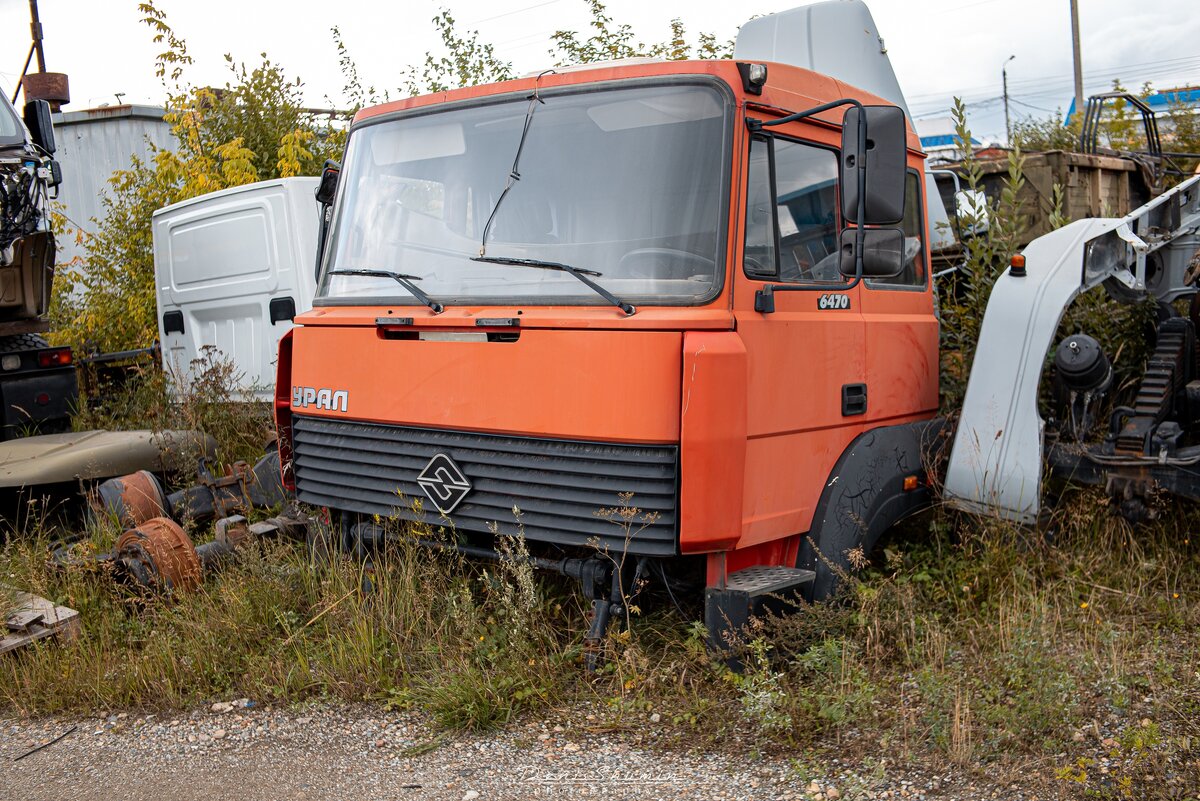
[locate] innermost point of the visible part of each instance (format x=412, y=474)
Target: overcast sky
x=939, y=48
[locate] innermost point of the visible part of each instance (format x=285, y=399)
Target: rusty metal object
x=215, y=495
x=232, y=531
x=52, y=87
x=132, y=499
x=160, y=554
x=289, y=525
x=230, y=491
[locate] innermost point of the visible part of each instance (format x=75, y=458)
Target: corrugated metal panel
x=560, y=486
x=94, y=144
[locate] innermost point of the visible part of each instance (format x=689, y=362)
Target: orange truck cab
x=626, y=312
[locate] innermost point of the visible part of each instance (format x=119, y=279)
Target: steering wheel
x=663, y=263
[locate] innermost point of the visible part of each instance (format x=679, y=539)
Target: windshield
x=626, y=183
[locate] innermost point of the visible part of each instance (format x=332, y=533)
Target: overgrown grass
x=1022, y=655
x=468, y=643
x=208, y=395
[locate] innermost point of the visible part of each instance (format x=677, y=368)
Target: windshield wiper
x=578, y=272
x=403, y=280
x=514, y=174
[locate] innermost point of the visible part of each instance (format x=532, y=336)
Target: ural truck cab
x=697, y=290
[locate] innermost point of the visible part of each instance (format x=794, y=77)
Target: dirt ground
x=365, y=753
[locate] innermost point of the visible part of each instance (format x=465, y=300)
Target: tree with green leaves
x=253, y=128
x=609, y=40
x=464, y=59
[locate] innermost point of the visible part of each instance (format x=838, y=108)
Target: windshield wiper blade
x=514, y=174
x=403, y=280
x=578, y=272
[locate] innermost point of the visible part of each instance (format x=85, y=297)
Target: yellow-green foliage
x=612, y=41
x=252, y=129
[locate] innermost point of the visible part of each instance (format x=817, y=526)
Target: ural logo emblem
x=444, y=483
x=334, y=400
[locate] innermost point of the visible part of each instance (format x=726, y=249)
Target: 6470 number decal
x=833, y=300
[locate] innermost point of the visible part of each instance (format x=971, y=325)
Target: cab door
x=806, y=359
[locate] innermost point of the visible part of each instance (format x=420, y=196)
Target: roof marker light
x=1016, y=266
x=754, y=77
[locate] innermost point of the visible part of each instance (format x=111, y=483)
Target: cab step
x=769, y=580
x=757, y=591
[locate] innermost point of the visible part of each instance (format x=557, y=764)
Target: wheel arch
x=864, y=496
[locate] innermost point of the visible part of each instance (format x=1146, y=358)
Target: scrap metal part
x=96, y=455
x=132, y=499
x=159, y=554
x=138, y=497
x=239, y=489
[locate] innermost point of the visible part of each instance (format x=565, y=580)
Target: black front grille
x=560, y=487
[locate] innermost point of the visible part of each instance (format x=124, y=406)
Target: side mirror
x=40, y=125
x=329, y=181
x=884, y=156
x=883, y=252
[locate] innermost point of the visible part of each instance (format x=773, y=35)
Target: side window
x=792, y=220
x=913, y=226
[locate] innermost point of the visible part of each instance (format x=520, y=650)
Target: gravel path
x=239, y=751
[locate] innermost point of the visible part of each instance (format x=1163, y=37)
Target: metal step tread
x=767, y=579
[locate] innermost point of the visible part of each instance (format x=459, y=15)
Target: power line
x=1051, y=90
x=525, y=39
x=1159, y=67
x=1030, y=105
x=514, y=11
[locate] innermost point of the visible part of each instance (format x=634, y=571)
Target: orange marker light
x=911, y=483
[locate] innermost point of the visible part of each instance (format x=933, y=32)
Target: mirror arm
x=764, y=299
x=799, y=115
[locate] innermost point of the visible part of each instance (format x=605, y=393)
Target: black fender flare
x=864, y=496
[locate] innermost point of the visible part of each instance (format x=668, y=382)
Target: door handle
x=173, y=322
x=282, y=309
x=854, y=399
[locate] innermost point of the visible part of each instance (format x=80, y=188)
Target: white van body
x=225, y=264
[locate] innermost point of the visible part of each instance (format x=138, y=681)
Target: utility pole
x=35, y=30
x=1077, y=56
x=1004, y=78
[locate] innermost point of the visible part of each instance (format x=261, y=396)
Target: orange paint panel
x=712, y=441
x=902, y=367
x=602, y=72
x=798, y=363
x=600, y=385
x=785, y=475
